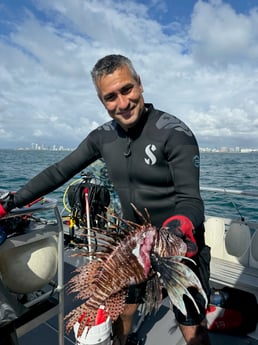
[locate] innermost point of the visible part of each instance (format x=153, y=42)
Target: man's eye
x=110, y=98
x=126, y=90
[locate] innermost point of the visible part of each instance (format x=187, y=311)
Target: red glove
x=182, y=227
x=3, y=211
x=6, y=204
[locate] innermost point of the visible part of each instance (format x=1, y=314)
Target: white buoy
x=253, y=261
x=237, y=243
x=29, y=267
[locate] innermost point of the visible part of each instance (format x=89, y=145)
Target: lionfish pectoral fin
x=176, y=297
x=177, y=278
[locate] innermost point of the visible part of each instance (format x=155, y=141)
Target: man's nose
x=122, y=102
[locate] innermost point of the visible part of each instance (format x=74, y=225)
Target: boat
x=234, y=264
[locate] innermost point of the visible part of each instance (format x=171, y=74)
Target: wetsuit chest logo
x=149, y=149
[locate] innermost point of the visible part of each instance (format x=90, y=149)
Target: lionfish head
x=145, y=240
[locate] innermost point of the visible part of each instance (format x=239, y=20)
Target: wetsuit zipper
x=128, y=152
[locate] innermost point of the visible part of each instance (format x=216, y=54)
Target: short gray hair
x=108, y=64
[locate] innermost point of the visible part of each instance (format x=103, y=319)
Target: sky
x=197, y=60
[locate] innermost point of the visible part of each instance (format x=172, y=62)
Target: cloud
x=220, y=35
x=204, y=70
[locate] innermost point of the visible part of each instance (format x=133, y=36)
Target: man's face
x=122, y=96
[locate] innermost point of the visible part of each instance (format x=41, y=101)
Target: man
x=153, y=161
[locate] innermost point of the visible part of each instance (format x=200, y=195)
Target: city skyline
x=56, y=147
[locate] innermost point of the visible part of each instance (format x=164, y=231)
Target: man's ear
x=99, y=96
x=140, y=83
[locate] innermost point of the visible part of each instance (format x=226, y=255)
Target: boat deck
x=159, y=328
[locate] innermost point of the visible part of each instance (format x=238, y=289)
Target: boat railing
x=229, y=191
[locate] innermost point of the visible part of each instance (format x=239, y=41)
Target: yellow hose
x=65, y=193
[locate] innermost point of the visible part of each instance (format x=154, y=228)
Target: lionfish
x=132, y=255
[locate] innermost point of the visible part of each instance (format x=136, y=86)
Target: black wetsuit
x=155, y=165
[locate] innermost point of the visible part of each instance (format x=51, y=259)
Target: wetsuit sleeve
x=57, y=174
x=184, y=161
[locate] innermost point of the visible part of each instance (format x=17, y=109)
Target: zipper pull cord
x=128, y=148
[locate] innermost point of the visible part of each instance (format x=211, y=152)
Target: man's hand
x=6, y=203
x=182, y=227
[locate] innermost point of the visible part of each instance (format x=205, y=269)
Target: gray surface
x=158, y=329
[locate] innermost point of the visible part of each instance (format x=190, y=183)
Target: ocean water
x=236, y=171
